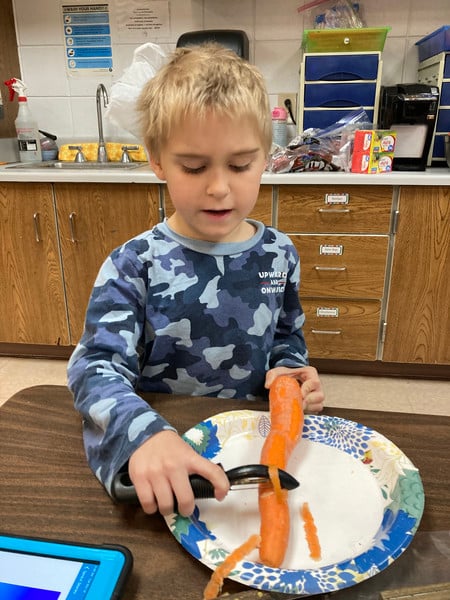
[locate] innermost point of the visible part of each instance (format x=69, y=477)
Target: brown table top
x=48, y=490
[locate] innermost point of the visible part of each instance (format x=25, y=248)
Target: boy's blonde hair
x=198, y=79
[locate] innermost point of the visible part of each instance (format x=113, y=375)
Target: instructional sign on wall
x=87, y=37
x=143, y=20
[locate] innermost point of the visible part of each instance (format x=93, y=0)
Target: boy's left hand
x=313, y=395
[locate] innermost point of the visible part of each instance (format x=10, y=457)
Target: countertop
x=143, y=174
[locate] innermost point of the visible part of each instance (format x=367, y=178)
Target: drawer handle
x=73, y=237
x=37, y=228
x=333, y=210
x=317, y=268
x=327, y=331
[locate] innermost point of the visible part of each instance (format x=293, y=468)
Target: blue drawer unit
x=443, y=120
x=330, y=95
x=445, y=93
x=438, y=148
x=341, y=67
x=436, y=71
x=324, y=118
x=333, y=85
x=446, y=66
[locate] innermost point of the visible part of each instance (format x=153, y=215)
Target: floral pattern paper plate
x=365, y=495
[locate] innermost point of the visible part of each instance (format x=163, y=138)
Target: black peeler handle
x=123, y=489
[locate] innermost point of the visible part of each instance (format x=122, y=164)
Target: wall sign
x=143, y=20
x=87, y=37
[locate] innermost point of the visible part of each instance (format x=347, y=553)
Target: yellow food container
x=113, y=151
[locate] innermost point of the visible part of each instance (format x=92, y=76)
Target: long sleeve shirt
x=181, y=316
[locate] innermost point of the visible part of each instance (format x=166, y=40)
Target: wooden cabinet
x=93, y=219
x=359, y=278
x=31, y=285
x=418, y=316
x=342, y=235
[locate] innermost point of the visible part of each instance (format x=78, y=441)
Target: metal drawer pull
x=327, y=331
x=334, y=210
x=73, y=238
x=37, y=229
x=317, y=268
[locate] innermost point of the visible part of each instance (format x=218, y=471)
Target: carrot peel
x=310, y=529
x=274, y=477
x=214, y=586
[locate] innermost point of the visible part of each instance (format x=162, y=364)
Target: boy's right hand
x=160, y=469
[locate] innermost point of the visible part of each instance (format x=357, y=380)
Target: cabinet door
x=342, y=266
x=31, y=286
x=334, y=209
x=418, y=318
x=93, y=219
x=346, y=329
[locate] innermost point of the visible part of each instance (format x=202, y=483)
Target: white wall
x=65, y=105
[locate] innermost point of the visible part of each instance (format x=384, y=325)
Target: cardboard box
x=373, y=151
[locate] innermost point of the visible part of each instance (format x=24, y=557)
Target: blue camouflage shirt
x=182, y=316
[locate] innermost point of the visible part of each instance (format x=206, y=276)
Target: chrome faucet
x=102, y=157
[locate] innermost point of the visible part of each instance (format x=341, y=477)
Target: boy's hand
x=160, y=469
x=313, y=395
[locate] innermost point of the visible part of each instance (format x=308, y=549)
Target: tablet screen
x=32, y=577
x=42, y=569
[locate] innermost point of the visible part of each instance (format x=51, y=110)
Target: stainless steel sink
x=83, y=166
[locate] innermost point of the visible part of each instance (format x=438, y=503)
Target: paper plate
x=365, y=495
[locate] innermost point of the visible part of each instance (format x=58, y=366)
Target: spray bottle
x=26, y=126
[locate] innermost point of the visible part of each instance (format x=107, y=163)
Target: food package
x=373, y=151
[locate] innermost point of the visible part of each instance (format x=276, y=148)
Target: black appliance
x=235, y=39
x=410, y=109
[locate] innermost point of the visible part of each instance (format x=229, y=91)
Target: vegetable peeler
x=241, y=477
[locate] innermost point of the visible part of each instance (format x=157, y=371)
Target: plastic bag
x=334, y=14
x=121, y=109
x=328, y=149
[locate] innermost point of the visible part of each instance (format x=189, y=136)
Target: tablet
x=42, y=569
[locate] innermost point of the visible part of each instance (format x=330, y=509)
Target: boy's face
x=213, y=170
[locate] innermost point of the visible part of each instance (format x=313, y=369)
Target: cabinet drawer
x=341, y=67
x=334, y=209
x=443, y=120
x=342, y=329
x=447, y=66
x=342, y=266
x=439, y=146
x=445, y=94
x=324, y=117
x=339, y=95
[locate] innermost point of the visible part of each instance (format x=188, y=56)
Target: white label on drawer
x=336, y=198
x=331, y=249
x=323, y=311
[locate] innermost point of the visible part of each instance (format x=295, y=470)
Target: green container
x=365, y=39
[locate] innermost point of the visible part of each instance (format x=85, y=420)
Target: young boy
x=186, y=308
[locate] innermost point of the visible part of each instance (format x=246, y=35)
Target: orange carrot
x=214, y=586
x=310, y=528
x=286, y=417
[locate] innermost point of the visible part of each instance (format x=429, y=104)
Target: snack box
x=373, y=151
